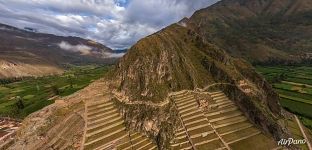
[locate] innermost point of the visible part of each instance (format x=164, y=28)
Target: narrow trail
x=166, y=101
x=214, y=84
x=303, y=133
x=297, y=84
x=187, y=134
x=220, y=137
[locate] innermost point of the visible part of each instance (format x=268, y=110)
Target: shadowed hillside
x=259, y=30
x=25, y=53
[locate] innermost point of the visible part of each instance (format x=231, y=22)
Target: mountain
x=26, y=53
x=180, y=88
x=177, y=58
x=258, y=30
x=210, y=48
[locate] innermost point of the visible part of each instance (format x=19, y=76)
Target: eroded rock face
x=169, y=60
x=158, y=123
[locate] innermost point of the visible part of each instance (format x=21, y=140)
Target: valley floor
x=294, y=85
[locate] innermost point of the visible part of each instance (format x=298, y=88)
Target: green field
x=19, y=98
x=294, y=84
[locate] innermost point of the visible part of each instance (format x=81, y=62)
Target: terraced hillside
x=138, y=142
x=196, y=131
x=105, y=128
x=61, y=137
x=212, y=121
x=233, y=126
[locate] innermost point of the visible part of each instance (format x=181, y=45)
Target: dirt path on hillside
x=303, y=133
x=121, y=98
x=297, y=84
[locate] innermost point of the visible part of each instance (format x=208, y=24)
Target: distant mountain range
x=27, y=53
x=267, y=31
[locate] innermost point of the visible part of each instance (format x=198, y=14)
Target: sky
x=117, y=24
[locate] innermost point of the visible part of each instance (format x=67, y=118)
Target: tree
x=55, y=90
x=70, y=80
x=19, y=103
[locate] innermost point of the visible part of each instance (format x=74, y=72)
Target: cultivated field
x=22, y=96
x=294, y=85
x=212, y=121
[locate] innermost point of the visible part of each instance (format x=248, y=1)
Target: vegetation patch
x=22, y=96
x=294, y=84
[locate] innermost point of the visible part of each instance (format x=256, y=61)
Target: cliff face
x=261, y=107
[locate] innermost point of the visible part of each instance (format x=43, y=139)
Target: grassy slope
x=35, y=92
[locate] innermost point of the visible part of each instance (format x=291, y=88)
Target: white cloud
x=83, y=49
x=115, y=23
x=114, y=55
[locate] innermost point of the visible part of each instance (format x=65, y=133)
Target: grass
x=300, y=80
x=181, y=140
x=295, y=131
x=295, y=98
x=200, y=130
x=229, y=120
x=141, y=144
x=233, y=127
x=295, y=90
x=212, y=145
x=105, y=132
x=196, y=124
x=105, y=140
x=206, y=138
x=239, y=134
x=36, y=92
x=296, y=107
x=263, y=143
